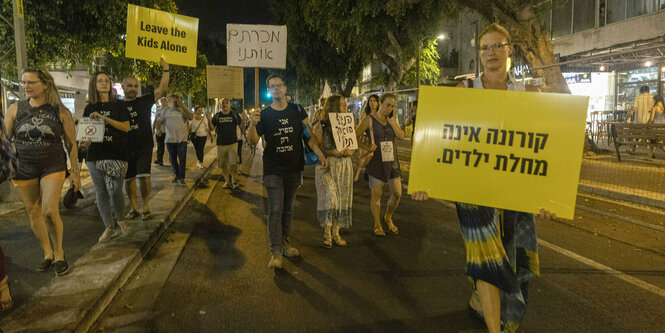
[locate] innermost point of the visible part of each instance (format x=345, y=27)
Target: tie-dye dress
x=501, y=249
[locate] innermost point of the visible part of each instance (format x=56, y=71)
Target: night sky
x=215, y=14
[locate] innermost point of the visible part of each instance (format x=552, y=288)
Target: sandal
x=5, y=304
x=379, y=232
x=393, y=229
x=145, y=216
x=131, y=215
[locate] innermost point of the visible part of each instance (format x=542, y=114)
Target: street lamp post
x=19, y=40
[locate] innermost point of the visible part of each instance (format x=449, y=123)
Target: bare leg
x=51, y=189
x=490, y=301
x=32, y=200
x=375, y=206
x=395, y=186
x=146, y=187
x=130, y=188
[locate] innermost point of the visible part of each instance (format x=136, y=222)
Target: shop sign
x=577, y=78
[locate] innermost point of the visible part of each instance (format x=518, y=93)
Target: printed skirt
x=501, y=249
x=334, y=191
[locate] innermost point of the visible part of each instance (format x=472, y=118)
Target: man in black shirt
x=226, y=123
x=140, y=141
x=281, y=125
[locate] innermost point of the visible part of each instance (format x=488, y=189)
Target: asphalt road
x=599, y=272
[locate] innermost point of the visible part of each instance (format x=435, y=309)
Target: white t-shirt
x=200, y=126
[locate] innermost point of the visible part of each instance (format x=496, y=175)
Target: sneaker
x=198, y=165
x=289, y=251
x=181, y=183
x=61, y=267
x=275, y=261
x=108, y=234
x=124, y=227
x=159, y=163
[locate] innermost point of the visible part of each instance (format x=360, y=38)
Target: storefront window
x=561, y=18
x=641, y=7
x=616, y=10
x=629, y=83
x=584, y=17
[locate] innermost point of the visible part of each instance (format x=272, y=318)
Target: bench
x=631, y=134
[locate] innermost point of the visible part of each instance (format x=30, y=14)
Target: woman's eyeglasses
x=497, y=46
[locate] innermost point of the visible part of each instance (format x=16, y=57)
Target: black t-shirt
x=114, y=146
x=139, y=136
x=282, y=129
x=225, y=126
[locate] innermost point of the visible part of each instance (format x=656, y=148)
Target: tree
x=311, y=59
x=529, y=34
x=75, y=31
x=393, y=30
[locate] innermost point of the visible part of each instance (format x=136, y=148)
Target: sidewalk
x=72, y=302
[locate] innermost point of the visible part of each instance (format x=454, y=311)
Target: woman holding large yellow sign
x=501, y=245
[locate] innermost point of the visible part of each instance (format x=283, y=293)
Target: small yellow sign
x=507, y=149
x=152, y=34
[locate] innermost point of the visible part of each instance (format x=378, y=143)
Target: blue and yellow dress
x=501, y=249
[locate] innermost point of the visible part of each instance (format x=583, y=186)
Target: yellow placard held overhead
x=507, y=149
x=152, y=34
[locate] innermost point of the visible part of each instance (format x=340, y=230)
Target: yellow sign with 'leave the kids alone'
x=152, y=34
x=507, y=149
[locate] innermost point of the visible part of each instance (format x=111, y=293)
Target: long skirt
x=334, y=191
x=501, y=249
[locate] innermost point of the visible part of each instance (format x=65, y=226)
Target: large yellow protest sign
x=152, y=34
x=506, y=149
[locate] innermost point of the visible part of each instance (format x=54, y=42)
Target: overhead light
x=442, y=37
x=647, y=64
x=602, y=68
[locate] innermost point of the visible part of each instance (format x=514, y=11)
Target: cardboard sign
x=152, y=34
x=256, y=46
x=343, y=129
x=90, y=130
x=225, y=82
x=513, y=150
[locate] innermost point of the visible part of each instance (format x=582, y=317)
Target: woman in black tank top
x=38, y=127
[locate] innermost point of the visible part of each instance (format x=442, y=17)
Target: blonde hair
x=495, y=27
x=52, y=94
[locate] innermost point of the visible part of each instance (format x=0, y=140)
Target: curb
x=74, y=302
x=622, y=196
x=98, y=308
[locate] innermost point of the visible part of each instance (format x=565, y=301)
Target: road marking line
x=606, y=269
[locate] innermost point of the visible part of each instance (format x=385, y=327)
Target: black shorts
x=38, y=163
x=138, y=163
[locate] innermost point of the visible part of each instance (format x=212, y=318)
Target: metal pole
x=19, y=38
x=418, y=67
x=659, y=88
x=477, y=42
x=256, y=88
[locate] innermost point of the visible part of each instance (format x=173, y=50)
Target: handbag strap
x=201, y=122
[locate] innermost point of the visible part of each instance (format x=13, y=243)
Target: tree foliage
x=312, y=60
x=71, y=32
x=395, y=30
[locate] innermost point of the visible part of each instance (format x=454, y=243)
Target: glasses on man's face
x=29, y=83
x=276, y=86
x=497, y=47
